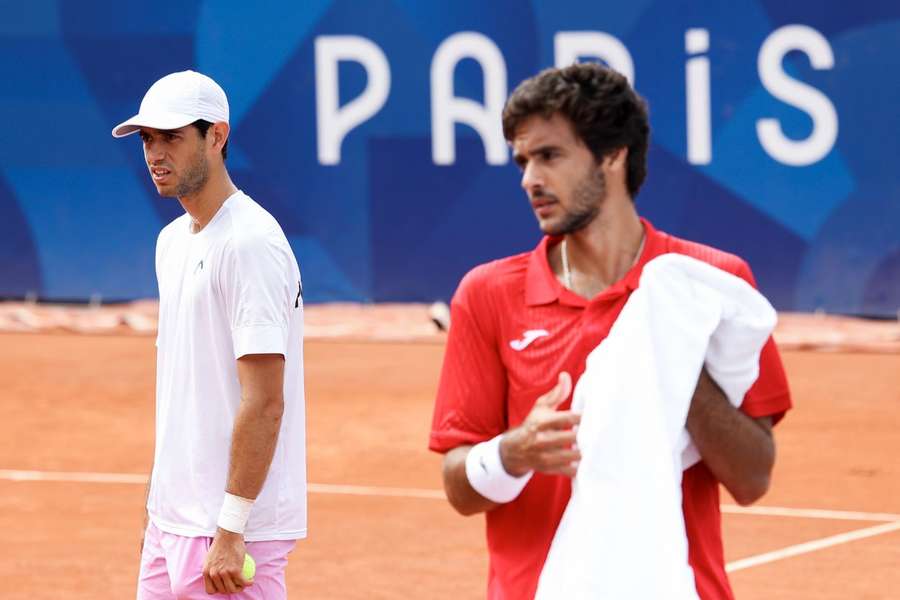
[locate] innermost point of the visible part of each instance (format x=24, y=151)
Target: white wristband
x=234, y=514
x=486, y=475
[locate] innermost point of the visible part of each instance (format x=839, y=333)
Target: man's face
x=176, y=159
x=564, y=183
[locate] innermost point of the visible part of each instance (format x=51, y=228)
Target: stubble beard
x=195, y=177
x=587, y=201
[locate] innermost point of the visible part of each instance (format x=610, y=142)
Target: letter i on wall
x=699, y=128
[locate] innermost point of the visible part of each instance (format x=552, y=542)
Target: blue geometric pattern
x=79, y=216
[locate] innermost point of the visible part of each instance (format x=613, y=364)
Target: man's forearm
x=544, y=442
x=739, y=450
x=147, y=491
x=253, y=444
x=146, y=511
x=459, y=491
x=258, y=421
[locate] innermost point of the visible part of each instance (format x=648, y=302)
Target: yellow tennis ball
x=249, y=569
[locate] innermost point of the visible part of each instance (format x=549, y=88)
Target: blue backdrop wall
x=371, y=131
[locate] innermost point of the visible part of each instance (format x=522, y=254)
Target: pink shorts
x=172, y=568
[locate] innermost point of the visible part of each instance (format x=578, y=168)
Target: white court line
x=805, y=548
x=316, y=488
x=365, y=490
x=893, y=523
x=402, y=492
x=808, y=513
x=73, y=476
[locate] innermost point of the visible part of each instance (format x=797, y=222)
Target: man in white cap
x=229, y=472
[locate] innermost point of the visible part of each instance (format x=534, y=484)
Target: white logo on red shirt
x=528, y=337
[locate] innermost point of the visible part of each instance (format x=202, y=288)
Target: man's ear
x=616, y=160
x=220, y=133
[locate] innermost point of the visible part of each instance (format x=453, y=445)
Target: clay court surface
x=76, y=441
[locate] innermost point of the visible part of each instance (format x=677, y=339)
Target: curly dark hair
x=605, y=112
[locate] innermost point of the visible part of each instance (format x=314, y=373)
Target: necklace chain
x=567, y=274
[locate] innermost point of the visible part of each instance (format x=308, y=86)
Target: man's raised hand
x=545, y=441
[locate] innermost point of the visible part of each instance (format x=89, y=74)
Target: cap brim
x=163, y=121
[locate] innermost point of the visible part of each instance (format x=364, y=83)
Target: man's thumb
x=559, y=393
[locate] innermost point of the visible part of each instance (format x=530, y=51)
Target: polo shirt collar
x=542, y=287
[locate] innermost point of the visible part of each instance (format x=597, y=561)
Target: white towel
x=622, y=535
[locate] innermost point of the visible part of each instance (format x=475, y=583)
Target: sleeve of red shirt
x=770, y=395
x=470, y=405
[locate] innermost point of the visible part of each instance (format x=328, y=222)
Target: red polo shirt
x=488, y=386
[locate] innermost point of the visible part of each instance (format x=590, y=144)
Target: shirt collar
x=542, y=287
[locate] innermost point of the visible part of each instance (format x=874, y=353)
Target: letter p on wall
x=334, y=122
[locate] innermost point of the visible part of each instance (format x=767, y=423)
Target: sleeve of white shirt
x=161, y=245
x=257, y=283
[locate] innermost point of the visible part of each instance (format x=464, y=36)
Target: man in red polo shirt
x=523, y=326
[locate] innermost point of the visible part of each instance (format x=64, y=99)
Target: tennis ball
x=249, y=569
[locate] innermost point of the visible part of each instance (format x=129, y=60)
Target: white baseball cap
x=177, y=100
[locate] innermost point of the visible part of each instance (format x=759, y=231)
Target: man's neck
x=603, y=252
x=204, y=205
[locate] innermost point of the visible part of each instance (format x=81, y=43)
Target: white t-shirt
x=231, y=289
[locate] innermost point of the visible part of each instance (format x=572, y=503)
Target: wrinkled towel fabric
x=622, y=535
